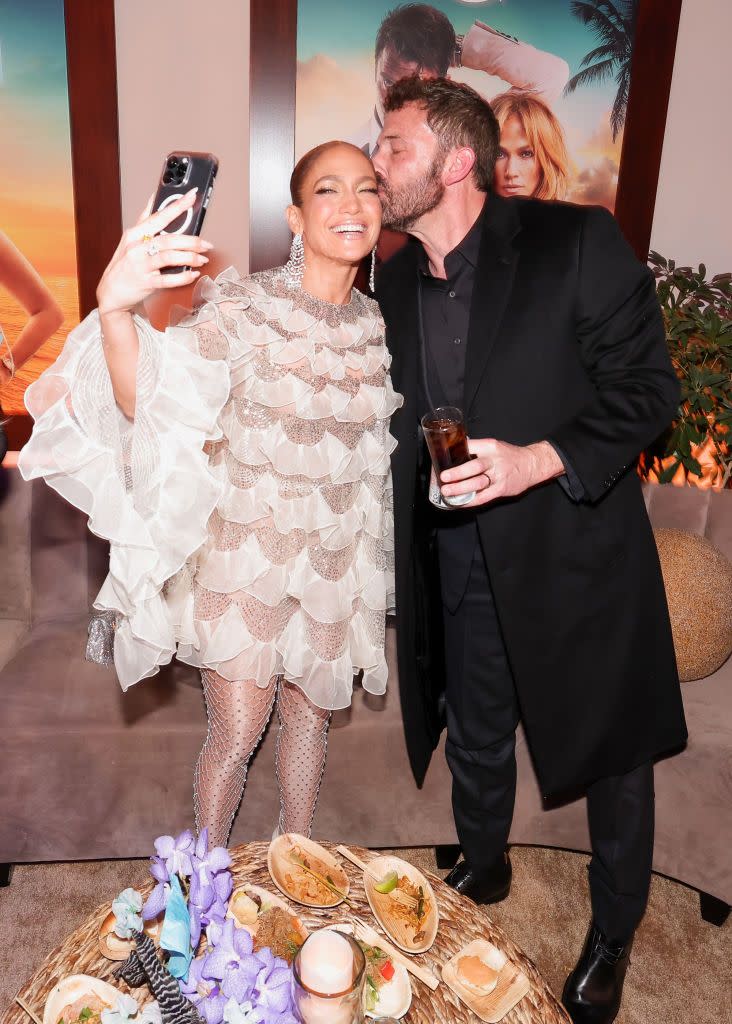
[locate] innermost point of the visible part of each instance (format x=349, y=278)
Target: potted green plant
x=697, y=313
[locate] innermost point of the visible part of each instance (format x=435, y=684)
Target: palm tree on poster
x=614, y=22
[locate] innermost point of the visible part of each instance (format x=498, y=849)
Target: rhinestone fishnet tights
x=238, y=713
x=301, y=749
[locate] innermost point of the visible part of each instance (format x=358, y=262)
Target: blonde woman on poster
x=532, y=158
x=418, y=39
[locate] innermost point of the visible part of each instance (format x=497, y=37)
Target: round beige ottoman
x=698, y=581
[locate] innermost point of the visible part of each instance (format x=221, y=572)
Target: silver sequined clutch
x=100, y=639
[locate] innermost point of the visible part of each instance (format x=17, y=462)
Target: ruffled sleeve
x=146, y=486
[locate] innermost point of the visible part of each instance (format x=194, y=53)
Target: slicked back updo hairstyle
x=304, y=164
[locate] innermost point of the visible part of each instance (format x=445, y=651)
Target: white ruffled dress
x=248, y=507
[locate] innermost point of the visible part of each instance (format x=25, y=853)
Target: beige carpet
x=681, y=971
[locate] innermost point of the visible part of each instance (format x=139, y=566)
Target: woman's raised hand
x=134, y=272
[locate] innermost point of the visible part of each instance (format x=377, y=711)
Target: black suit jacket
x=566, y=344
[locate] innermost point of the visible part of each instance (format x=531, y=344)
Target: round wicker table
x=460, y=921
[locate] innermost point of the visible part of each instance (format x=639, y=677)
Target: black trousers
x=482, y=715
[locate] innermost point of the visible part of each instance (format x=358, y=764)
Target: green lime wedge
x=388, y=882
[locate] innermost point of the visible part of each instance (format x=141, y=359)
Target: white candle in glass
x=326, y=963
x=319, y=1010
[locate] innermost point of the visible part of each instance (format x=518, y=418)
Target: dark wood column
x=650, y=83
x=273, y=72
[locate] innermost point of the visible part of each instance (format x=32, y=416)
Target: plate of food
x=483, y=978
x=387, y=990
x=79, y=999
x=268, y=919
x=306, y=872
x=113, y=947
x=403, y=902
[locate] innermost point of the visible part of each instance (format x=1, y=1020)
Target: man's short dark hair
x=418, y=33
x=457, y=115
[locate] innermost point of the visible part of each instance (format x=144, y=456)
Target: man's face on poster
x=390, y=67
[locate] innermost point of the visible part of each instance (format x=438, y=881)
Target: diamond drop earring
x=372, y=275
x=295, y=266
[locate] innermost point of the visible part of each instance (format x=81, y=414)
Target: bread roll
x=477, y=976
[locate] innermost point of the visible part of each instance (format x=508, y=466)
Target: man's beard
x=403, y=208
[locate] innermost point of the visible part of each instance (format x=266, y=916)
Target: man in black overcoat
x=543, y=598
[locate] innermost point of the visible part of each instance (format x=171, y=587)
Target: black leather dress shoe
x=490, y=886
x=593, y=990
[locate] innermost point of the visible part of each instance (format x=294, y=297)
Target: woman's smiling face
x=340, y=212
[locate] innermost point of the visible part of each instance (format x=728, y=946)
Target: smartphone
x=181, y=172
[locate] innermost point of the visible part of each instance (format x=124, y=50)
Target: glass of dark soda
x=447, y=441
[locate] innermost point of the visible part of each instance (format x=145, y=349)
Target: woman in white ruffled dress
x=238, y=464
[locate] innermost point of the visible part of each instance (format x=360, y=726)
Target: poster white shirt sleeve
x=521, y=65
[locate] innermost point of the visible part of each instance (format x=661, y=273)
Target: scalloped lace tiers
x=248, y=507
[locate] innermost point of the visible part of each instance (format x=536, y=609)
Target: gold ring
x=147, y=238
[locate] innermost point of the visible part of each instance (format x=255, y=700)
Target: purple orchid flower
x=210, y=872
x=158, y=869
x=158, y=898
x=193, y=985
x=201, y=893
x=233, y=963
x=211, y=882
x=272, y=987
x=223, y=885
x=213, y=933
x=208, y=903
x=174, y=857
x=212, y=1006
x=210, y=861
x=204, y=994
x=216, y=910
x=196, y=925
x=216, y=913
x=200, y=896
x=250, y=1013
x=176, y=853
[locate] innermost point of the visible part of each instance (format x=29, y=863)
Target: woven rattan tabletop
x=460, y=921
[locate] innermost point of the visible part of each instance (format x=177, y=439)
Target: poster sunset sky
x=36, y=199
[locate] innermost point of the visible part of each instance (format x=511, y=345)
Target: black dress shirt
x=444, y=312
x=445, y=316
